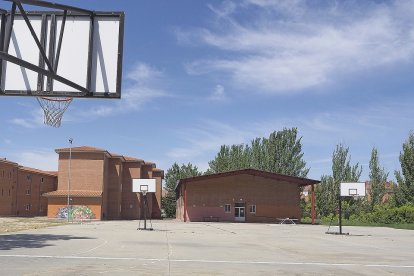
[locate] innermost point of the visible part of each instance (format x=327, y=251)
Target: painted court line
x=209, y=261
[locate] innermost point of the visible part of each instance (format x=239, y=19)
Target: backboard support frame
x=55, y=42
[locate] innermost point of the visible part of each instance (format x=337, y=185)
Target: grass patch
x=15, y=224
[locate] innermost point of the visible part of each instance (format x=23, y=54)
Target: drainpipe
x=313, y=204
x=185, y=203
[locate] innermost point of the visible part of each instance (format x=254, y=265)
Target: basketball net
x=53, y=109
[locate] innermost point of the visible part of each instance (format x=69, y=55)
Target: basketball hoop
x=53, y=109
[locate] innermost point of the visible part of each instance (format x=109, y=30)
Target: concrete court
x=174, y=248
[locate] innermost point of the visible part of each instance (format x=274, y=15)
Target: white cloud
x=34, y=120
x=218, y=94
x=384, y=125
x=143, y=73
x=145, y=86
x=207, y=138
x=275, y=53
x=46, y=160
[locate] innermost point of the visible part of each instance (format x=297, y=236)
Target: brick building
x=22, y=188
x=245, y=195
x=99, y=185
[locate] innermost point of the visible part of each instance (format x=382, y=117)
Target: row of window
x=3, y=175
x=227, y=208
x=29, y=178
x=28, y=206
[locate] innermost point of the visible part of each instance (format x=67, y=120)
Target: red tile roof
x=37, y=171
x=82, y=148
x=292, y=179
x=73, y=193
x=4, y=160
x=129, y=159
x=115, y=155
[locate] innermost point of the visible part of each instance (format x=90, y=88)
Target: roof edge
x=301, y=180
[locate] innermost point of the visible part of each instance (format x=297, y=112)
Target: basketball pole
x=145, y=207
x=340, y=214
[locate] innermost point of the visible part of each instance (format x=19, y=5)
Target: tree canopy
x=280, y=153
x=405, y=192
x=327, y=191
x=377, y=179
x=173, y=175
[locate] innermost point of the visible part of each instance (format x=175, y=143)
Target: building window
x=2, y=191
x=252, y=209
x=28, y=192
x=227, y=208
x=27, y=207
x=42, y=180
x=28, y=177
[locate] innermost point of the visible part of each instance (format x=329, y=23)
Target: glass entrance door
x=239, y=213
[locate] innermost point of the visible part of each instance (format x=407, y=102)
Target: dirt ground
x=15, y=224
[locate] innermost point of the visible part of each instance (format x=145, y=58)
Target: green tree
x=405, y=192
x=173, y=175
x=377, y=179
x=280, y=153
x=327, y=191
x=284, y=153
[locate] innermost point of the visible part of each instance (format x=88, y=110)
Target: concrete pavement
x=174, y=248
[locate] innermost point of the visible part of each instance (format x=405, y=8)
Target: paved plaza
x=174, y=248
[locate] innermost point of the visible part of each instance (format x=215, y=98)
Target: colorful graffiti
x=77, y=212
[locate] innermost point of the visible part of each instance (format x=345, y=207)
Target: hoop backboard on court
x=143, y=185
x=355, y=189
x=70, y=52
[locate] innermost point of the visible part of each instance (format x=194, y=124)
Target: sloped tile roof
x=37, y=171
x=73, y=193
x=128, y=158
x=281, y=177
x=82, y=148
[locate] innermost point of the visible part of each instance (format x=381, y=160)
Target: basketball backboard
x=355, y=189
x=143, y=185
x=70, y=52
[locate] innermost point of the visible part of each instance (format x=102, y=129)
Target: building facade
x=96, y=184
x=22, y=188
x=240, y=196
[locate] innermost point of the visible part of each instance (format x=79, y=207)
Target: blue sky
x=199, y=74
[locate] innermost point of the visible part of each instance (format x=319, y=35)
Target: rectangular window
x=28, y=192
x=252, y=209
x=28, y=177
x=227, y=208
x=42, y=180
x=27, y=207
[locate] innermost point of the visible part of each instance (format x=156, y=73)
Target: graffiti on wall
x=76, y=212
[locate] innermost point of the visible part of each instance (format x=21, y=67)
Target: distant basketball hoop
x=144, y=186
x=356, y=190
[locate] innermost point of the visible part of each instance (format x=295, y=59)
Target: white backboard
x=140, y=185
x=90, y=55
x=353, y=189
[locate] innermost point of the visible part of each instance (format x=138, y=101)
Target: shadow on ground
x=8, y=242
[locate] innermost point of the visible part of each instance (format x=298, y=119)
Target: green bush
x=386, y=214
